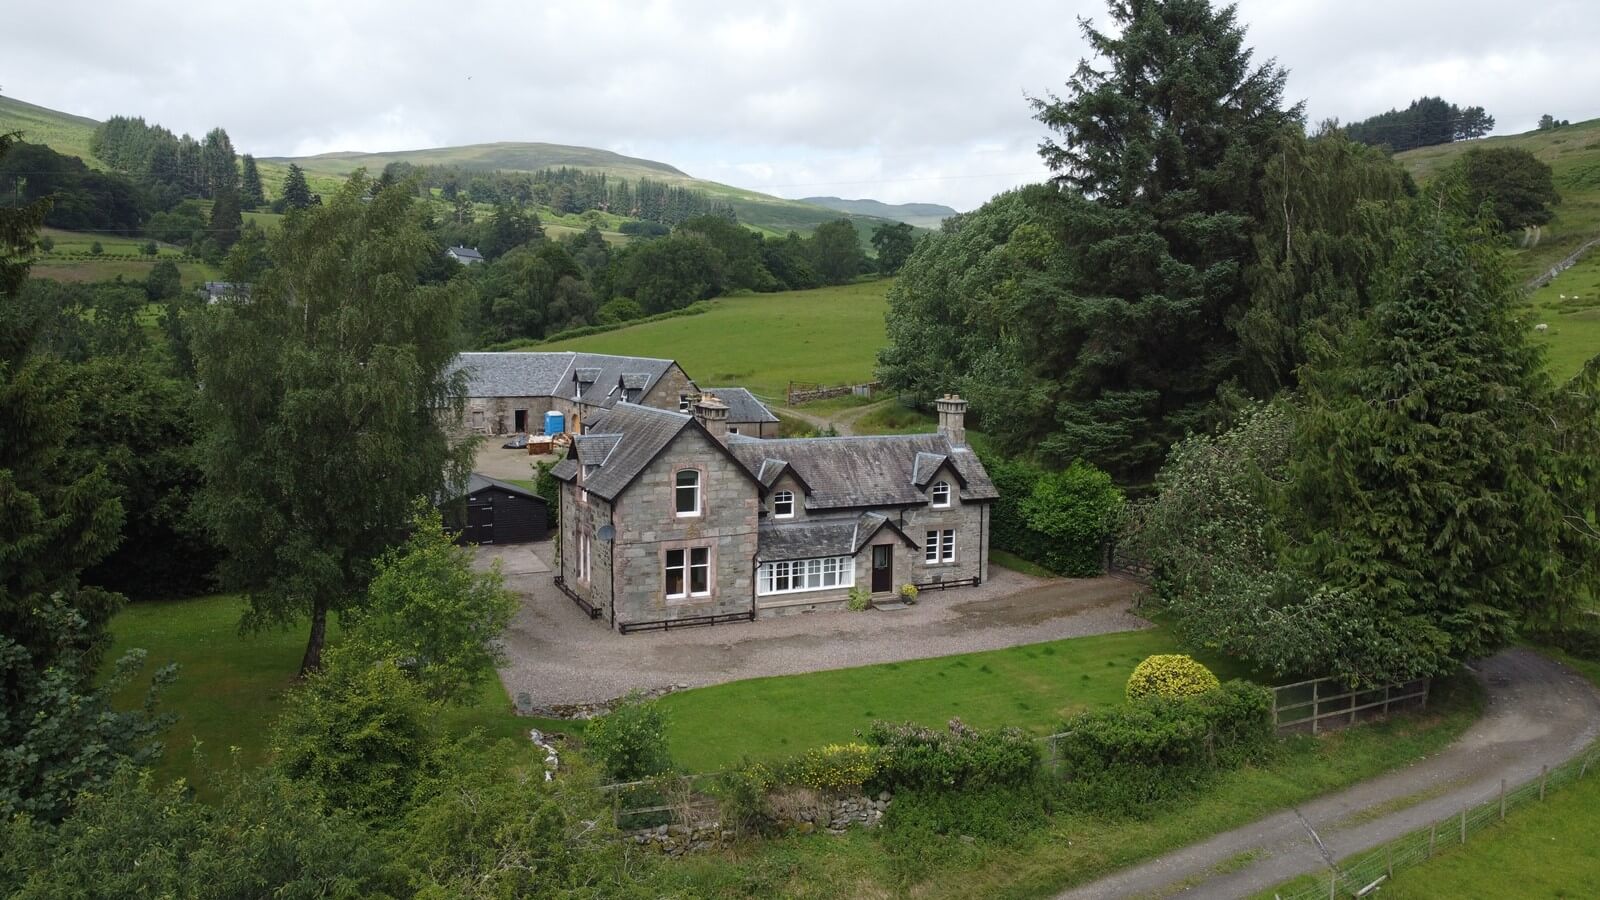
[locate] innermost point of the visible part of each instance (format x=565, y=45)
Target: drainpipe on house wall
x=611, y=554
x=983, y=547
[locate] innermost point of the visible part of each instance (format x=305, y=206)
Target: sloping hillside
x=68, y=133
x=1572, y=152
x=922, y=215
x=64, y=132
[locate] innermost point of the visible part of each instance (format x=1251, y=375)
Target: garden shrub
x=630, y=742
x=1159, y=748
x=910, y=756
x=1170, y=675
x=743, y=798
x=1076, y=510
x=837, y=767
x=909, y=592
x=859, y=599
x=924, y=830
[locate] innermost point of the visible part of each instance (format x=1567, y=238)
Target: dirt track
x=1539, y=713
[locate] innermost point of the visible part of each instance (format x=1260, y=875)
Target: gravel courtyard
x=558, y=655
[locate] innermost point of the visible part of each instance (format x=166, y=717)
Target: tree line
x=1402, y=516
x=1425, y=122
x=567, y=191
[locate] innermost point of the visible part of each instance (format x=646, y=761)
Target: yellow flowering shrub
x=1170, y=675
x=838, y=767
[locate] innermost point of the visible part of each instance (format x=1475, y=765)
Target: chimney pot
x=952, y=418
x=712, y=414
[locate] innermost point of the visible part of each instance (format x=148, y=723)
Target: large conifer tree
x=1419, y=477
x=1161, y=148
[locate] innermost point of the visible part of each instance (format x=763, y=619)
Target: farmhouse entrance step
x=890, y=604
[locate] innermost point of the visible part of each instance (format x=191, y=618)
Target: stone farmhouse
x=667, y=518
x=510, y=392
x=746, y=414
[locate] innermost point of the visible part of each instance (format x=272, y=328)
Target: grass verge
x=1008, y=560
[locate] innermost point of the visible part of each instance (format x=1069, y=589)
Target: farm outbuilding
x=498, y=512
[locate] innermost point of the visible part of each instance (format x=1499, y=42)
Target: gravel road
x=1539, y=713
x=558, y=655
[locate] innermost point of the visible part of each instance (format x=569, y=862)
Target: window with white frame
x=686, y=492
x=783, y=504
x=940, y=494
x=940, y=547
x=688, y=573
x=794, y=576
x=585, y=562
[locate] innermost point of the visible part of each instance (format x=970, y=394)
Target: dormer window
x=684, y=401
x=783, y=505
x=940, y=494
x=686, y=493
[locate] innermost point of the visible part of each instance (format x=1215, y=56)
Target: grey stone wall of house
x=647, y=527
x=753, y=429
x=585, y=518
x=971, y=524
x=672, y=384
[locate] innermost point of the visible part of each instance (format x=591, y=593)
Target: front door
x=480, y=523
x=882, y=568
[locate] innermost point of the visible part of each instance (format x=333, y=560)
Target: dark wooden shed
x=498, y=512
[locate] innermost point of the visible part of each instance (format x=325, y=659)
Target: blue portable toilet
x=554, y=423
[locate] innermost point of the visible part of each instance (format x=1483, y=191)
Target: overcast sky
x=901, y=101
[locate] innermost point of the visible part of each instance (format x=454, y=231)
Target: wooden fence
x=805, y=392
x=1325, y=703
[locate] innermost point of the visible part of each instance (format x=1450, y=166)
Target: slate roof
x=742, y=405
x=466, y=253
x=813, y=538
x=599, y=378
x=476, y=483
x=854, y=472
x=638, y=433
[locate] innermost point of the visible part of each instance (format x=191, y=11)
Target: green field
x=1574, y=323
x=230, y=687
x=65, y=133
x=1573, y=153
x=763, y=341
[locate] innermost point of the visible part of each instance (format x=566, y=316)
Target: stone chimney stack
x=713, y=414
x=952, y=418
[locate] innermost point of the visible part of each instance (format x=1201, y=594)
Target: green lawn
x=1033, y=686
x=230, y=687
x=1008, y=560
x=762, y=341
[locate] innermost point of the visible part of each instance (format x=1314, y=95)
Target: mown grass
x=1073, y=848
x=1034, y=687
x=231, y=686
x=1008, y=560
x=762, y=341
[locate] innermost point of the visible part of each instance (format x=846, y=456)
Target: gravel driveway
x=559, y=655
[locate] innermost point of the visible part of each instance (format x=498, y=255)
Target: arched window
x=686, y=492
x=940, y=494
x=783, y=504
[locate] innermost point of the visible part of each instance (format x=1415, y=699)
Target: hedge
x=693, y=309
x=1059, y=520
x=911, y=756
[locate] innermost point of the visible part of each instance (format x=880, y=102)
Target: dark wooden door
x=480, y=523
x=882, y=568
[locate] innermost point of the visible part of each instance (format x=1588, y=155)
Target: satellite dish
x=606, y=533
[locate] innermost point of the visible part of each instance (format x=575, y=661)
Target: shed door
x=882, y=568
x=480, y=523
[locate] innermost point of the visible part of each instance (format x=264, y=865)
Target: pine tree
x=1163, y=142
x=251, y=196
x=217, y=156
x=225, y=219
x=1418, y=482
x=296, y=192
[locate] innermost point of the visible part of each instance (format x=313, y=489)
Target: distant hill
x=922, y=215
x=68, y=133
x=1573, y=153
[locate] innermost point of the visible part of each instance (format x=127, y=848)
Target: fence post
x=1333, y=883
x=1502, y=799
x=1463, y=824
x=1433, y=832
x=1274, y=694
x=1544, y=773
x=1316, y=708
x=1583, y=768
x=1388, y=860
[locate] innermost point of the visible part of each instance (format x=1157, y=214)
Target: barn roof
x=597, y=379
x=743, y=406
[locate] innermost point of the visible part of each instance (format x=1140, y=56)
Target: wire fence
x=1362, y=875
